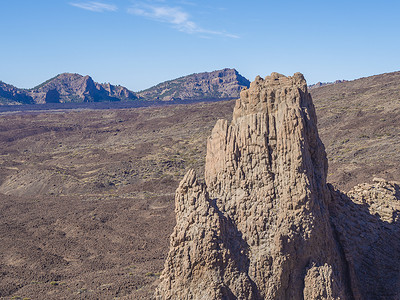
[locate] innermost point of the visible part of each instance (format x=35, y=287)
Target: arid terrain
x=87, y=197
x=359, y=123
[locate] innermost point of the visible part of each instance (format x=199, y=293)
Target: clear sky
x=141, y=43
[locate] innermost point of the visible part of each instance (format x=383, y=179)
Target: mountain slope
x=226, y=83
x=9, y=94
x=359, y=123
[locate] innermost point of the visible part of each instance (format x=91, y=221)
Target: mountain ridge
x=65, y=87
x=225, y=83
x=73, y=87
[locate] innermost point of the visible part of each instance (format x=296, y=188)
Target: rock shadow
x=238, y=247
x=371, y=247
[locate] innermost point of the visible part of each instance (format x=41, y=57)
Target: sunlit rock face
x=264, y=223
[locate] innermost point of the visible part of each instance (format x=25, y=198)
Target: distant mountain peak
x=219, y=84
x=68, y=87
x=319, y=84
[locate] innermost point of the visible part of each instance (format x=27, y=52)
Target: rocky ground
x=87, y=197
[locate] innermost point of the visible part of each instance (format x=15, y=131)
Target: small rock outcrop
x=367, y=222
x=259, y=228
x=226, y=83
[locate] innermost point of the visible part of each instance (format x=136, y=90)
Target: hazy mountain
x=319, y=84
x=226, y=83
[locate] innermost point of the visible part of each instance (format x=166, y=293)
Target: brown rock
x=266, y=176
x=207, y=258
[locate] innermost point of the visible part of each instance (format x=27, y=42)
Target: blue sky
x=140, y=43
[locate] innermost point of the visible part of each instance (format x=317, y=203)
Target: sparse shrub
x=152, y=274
x=80, y=291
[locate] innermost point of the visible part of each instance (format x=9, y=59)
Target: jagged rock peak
x=66, y=87
x=72, y=87
x=274, y=119
x=262, y=93
x=263, y=230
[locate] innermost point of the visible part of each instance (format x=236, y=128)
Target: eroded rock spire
x=259, y=228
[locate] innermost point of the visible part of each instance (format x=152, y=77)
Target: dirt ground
x=87, y=197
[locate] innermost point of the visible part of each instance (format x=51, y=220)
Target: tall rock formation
x=259, y=227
